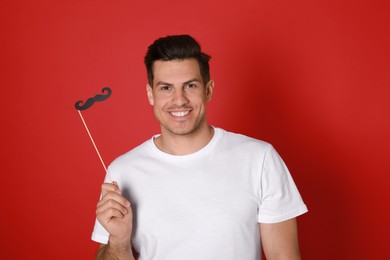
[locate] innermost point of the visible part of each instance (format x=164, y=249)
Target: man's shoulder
x=135, y=153
x=232, y=138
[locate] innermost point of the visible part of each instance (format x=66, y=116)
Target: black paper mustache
x=80, y=105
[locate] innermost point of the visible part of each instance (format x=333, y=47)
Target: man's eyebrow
x=190, y=81
x=164, y=83
x=170, y=84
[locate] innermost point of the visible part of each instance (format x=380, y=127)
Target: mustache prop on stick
x=80, y=105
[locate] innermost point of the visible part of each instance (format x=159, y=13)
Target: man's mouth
x=179, y=113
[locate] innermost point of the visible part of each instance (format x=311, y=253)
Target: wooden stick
x=94, y=145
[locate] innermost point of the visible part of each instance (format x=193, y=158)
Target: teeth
x=181, y=113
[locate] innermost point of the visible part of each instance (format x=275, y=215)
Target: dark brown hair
x=176, y=47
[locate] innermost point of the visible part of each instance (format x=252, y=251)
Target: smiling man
x=195, y=191
x=179, y=96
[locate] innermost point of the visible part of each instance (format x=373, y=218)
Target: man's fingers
x=113, y=207
x=110, y=187
x=112, y=191
x=113, y=195
x=109, y=214
x=107, y=204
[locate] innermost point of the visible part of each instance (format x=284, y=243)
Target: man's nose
x=180, y=98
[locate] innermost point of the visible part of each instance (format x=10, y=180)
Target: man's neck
x=184, y=144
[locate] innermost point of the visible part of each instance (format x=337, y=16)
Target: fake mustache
x=80, y=105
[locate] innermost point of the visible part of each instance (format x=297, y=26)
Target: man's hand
x=114, y=213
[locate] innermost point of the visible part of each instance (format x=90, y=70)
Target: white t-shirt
x=205, y=205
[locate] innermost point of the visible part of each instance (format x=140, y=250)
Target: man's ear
x=149, y=92
x=209, y=90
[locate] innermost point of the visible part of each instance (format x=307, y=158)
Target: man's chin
x=181, y=130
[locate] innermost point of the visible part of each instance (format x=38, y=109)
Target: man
x=195, y=191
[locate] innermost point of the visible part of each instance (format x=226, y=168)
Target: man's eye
x=165, y=88
x=191, y=85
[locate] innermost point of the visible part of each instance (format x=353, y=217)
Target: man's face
x=179, y=96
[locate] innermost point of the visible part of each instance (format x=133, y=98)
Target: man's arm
x=280, y=240
x=114, y=213
x=107, y=252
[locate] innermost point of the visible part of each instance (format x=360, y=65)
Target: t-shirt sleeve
x=99, y=233
x=279, y=197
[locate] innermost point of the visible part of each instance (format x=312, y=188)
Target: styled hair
x=176, y=47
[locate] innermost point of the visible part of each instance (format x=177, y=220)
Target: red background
x=311, y=77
